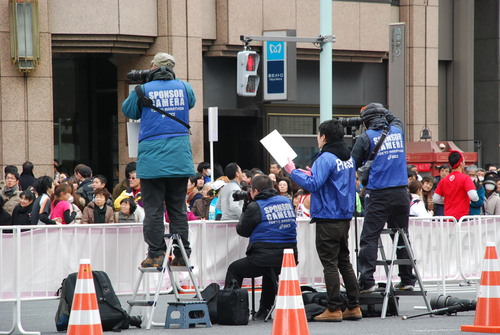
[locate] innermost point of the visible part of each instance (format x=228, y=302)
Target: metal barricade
x=473, y=234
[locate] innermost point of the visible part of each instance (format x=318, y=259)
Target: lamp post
x=24, y=34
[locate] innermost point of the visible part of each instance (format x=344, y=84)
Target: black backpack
x=113, y=316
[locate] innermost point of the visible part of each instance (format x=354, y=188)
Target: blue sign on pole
x=274, y=70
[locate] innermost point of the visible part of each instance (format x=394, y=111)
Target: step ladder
x=172, y=239
x=390, y=292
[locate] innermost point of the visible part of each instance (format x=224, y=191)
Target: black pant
x=333, y=251
x=381, y=206
x=156, y=194
x=242, y=268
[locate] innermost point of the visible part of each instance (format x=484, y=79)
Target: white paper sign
x=133, y=128
x=278, y=147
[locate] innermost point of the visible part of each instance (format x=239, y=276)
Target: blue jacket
x=277, y=221
x=332, y=185
x=162, y=156
x=475, y=206
x=389, y=166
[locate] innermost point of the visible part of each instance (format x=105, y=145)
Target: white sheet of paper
x=278, y=147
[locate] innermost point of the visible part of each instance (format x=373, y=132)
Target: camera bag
x=232, y=305
x=211, y=294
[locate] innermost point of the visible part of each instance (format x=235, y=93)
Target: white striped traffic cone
x=84, y=318
x=290, y=316
x=488, y=298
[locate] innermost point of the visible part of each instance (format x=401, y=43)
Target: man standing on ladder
x=165, y=160
x=386, y=198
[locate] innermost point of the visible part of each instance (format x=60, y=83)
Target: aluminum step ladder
x=390, y=292
x=150, y=304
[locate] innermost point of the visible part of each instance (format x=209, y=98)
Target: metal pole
x=325, y=62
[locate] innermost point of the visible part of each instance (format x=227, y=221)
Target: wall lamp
x=24, y=34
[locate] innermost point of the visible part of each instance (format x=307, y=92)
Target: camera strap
x=144, y=101
x=379, y=143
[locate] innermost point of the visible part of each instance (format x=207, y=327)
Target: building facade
x=68, y=107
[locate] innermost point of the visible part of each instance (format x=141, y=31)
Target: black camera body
x=241, y=195
x=138, y=75
x=350, y=121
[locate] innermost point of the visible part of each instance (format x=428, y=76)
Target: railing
x=34, y=261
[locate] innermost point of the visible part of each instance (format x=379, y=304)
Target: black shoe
x=262, y=314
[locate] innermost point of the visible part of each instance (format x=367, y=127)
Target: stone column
x=26, y=106
x=421, y=18
x=179, y=33
x=487, y=79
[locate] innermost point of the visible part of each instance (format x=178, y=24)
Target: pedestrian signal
x=248, y=79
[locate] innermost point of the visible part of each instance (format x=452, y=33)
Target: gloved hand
x=290, y=166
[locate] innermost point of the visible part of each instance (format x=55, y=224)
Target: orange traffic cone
x=488, y=297
x=290, y=316
x=84, y=317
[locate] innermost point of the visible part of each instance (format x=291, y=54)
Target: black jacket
x=86, y=190
x=262, y=253
x=22, y=215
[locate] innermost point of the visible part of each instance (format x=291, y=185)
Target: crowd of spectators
x=83, y=198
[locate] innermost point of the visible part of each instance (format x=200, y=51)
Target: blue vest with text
x=278, y=221
x=389, y=166
x=171, y=97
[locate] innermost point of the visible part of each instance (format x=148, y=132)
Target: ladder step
x=406, y=293
x=141, y=302
x=152, y=269
x=396, y=262
x=181, y=268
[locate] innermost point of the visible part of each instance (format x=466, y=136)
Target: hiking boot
x=262, y=313
x=178, y=261
x=153, y=262
x=368, y=290
x=352, y=314
x=327, y=316
x=403, y=287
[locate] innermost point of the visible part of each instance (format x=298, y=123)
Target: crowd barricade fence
x=473, y=233
x=35, y=259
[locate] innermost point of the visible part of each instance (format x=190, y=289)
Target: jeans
x=381, y=206
x=156, y=194
x=242, y=268
x=333, y=251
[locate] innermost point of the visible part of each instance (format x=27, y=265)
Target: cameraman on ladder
x=165, y=160
x=386, y=198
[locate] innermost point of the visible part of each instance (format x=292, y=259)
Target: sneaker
x=403, y=287
x=262, y=314
x=352, y=314
x=368, y=290
x=153, y=262
x=327, y=316
x=178, y=261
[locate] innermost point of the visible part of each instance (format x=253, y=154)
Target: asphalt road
x=39, y=316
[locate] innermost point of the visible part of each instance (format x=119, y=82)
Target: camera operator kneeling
x=270, y=223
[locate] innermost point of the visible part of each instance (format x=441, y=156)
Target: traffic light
x=248, y=79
